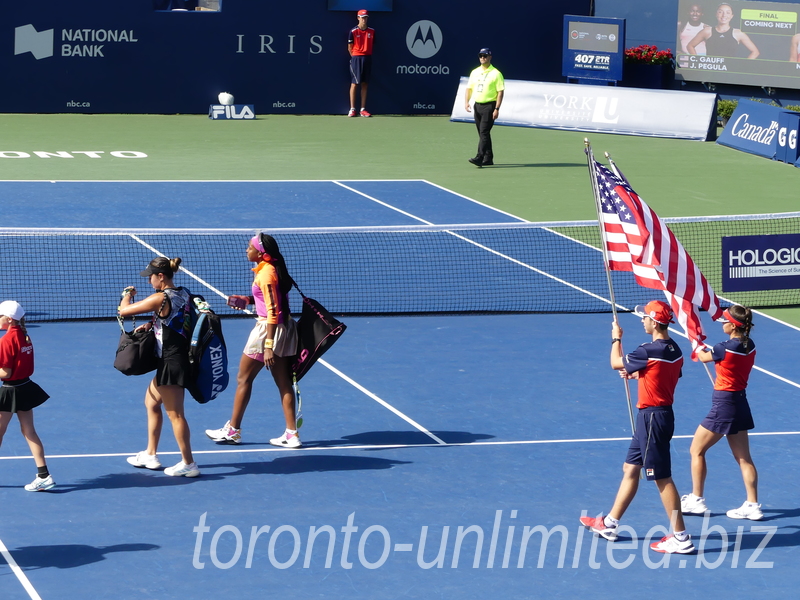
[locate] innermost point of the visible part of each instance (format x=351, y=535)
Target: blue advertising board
x=593, y=48
x=760, y=262
x=753, y=127
x=788, y=126
x=97, y=56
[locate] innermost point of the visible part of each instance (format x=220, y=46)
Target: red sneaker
x=364, y=113
x=598, y=525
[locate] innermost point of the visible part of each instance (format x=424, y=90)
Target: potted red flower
x=648, y=67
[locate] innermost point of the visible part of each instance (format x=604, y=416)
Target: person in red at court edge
x=657, y=366
x=359, y=45
x=730, y=414
x=18, y=393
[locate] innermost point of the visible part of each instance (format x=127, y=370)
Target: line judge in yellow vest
x=486, y=88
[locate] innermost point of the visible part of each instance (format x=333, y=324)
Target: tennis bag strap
x=317, y=331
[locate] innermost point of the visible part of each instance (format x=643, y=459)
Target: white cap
x=12, y=309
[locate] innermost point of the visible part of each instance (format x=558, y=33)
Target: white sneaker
x=670, y=545
x=287, y=440
x=693, y=505
x=144, y=460
x=41, y=485
x=747, y=511
x=225, y=434
x=183, y=470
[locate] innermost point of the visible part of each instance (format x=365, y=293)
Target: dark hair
x=167, y=266
x=743, y=315
x=285, y=280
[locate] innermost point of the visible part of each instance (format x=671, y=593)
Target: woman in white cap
x=19, y=394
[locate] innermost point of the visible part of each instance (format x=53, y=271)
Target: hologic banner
x=753, y=128
x=760, y=262
x=628, y=111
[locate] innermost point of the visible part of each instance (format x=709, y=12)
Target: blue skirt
x=729, y=414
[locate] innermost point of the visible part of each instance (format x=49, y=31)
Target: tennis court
x=444, y=455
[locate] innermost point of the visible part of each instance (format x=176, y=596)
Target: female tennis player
x=722, y=39
x=19, y=394
x=272, y=343
x=170, y=306
x=729, y=416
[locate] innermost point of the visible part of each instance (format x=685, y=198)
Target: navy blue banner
x=96, y=56
x=760, y=262
x=593, y=48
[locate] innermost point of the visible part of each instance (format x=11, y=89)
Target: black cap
x=153, y=268
x=485, y=51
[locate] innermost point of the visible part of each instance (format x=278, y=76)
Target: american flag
x=636, y=240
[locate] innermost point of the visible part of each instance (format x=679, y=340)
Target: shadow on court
x=529, y=165
x=288, y=465
x=69, y=556
x=751, y=541
x=402, y=438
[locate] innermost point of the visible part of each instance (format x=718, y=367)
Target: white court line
x=230, y=450
x=381, y=402
x=18, y=572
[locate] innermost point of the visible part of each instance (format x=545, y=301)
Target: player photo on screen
x=740, y=42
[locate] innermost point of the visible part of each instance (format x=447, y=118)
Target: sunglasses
x=483, y=56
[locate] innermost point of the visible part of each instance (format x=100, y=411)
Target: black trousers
x=484, y=111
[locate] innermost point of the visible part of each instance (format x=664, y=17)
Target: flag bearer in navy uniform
x=657, y=366
x=486, y=88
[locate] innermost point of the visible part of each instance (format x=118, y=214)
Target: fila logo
x=424, y=39
x=233, y=111
x=38, y=43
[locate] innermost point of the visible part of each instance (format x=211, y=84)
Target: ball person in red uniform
x=657, y=366
x=19, y=394
x=359, y=45
x=729, y=416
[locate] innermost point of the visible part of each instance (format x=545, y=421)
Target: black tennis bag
x=317, y=331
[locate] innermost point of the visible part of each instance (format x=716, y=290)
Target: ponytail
x=745, y=316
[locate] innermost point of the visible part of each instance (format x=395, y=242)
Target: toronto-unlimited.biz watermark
x=508, y=544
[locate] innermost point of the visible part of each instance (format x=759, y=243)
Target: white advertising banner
x=601, y=109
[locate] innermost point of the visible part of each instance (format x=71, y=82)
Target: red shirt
x=362, y=41
x=659, y=366
x=733, y=364
x=16, y=353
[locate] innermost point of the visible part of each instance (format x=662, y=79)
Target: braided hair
x=285, y=281
x=745, y=316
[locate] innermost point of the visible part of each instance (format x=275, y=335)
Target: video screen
x=746, y=43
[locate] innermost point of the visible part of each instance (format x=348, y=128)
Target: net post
x=593, y=176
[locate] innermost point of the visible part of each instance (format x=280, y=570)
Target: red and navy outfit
x=730, y=411
x=18, y=393
x=361, y=54
x=659, y=365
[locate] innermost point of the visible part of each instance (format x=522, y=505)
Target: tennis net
x=77, y=274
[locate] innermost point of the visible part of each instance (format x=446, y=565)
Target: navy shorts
x=729, y=414
x=360, y=69
x=650, y=444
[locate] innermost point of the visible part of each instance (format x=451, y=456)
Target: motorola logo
x=38, y=43
x=424, y=39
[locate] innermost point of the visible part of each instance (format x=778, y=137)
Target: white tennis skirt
x=285, y=340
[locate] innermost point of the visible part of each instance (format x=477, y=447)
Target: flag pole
x=619, y=174
x=596, y=191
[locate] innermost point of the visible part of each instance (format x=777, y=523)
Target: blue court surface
x=444, y=456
